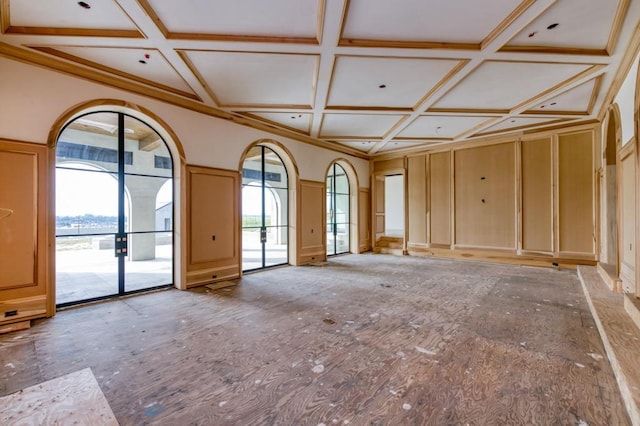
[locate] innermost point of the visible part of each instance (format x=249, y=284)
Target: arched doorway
x=609, y=184
x=338, y=211
x=114, y=220
x=265, y=209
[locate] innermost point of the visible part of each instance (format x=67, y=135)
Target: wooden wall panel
x=575, y=193
x=311, y=233
x=537, y=195
x=485, y=196
x=378, y=188
x=364, y=220
x=440, y=198
x=386, y=165
x=628, y=225
x=417, y=199
x=24, y=214
x=213, y=215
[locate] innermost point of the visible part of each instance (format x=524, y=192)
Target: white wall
x=394, y=205
x=625, y=101
x=33, y=99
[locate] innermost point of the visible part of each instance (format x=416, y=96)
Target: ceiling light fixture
x=382, y=86
x=552, y=26
x=142, y=61
x=84, y=5
x=533, y=34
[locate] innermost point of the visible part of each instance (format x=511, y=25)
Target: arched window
x=265, y=209
x=114, y=208
x=338, y=211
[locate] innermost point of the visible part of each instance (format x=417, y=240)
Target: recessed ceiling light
x=541, y=106
x=553, y=103
x=513, y=121
x=142, y=61
x=533, y=34
x=84, y=5
x=382, y=86
x=552, y=26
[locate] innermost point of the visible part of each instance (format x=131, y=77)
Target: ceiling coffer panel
x=441, y=126
x=253, y=19
x=497, y=85
x=256, y=79
x=147, y=66
x=348, y=126
x=425, y=21
x=518, y=123
x=572, y=24
x=293, y=120
x=365, y=81
x=578, y=100
x=63, y=17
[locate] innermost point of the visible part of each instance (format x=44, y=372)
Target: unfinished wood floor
x=368, y=339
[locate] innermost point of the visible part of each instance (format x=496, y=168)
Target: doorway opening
x=338, y=211
x=114, y=208
x=265, y=210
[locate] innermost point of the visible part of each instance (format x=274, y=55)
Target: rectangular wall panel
x=628, y=225
x=575, y=193
x=24, y=215
x=485, y=196
x=440, y=198
x=364, y=220
x=213, y=212
x=417, y=202
x=312, y=210
x=537, y=195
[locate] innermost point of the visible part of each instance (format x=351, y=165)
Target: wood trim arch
x=120, y=106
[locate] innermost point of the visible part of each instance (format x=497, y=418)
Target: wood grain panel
x=628, y=225
x=485, y=196
x=440, y=198
x=537, y=195
x=312, y=221
x=24, y=219
x=386, y=165
x=417, y=199
x=575, y=193
x=213, y=212
x=378, y=188
x=18, y=213
x=364, y=220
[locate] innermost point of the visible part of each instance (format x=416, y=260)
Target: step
x=610, y=277
x=620, y=336
x=632, y=306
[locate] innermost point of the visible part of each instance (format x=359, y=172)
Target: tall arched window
x=265, y=209
x=114, y=208
x=338, y=211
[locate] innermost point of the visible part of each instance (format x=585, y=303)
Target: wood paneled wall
x=576, y=228
x=25, y=290
x=213, y=225
x=364, y=220
x=417, y=199
x=440, y=198
x=485, y=197
x=312, y=231
x=628, y=219
x=531, y=198
x=537, y=195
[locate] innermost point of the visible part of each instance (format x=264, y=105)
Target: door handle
x=263, y=235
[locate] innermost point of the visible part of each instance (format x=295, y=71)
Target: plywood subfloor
x=367, y=339
x=73, y=399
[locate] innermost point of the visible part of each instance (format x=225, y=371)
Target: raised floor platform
x=619, y=333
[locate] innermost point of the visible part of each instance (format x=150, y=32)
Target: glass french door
x=338, y=211
x=265, y=210
x=114, y=208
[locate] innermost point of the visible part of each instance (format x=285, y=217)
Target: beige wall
x=34, y=98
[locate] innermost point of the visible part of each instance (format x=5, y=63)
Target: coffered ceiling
x=367, y=76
